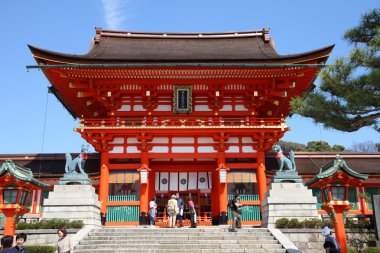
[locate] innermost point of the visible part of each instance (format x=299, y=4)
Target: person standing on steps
x=152, y=212
x=192, y=212
x=181, y=206
x=236, y=213
x=172, y=210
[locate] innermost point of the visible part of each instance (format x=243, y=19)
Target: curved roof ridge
x=233, y=34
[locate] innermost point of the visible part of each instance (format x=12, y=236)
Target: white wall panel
x=188, y=149
x=226, y=108
x=202, y=108
x=159, y=149
x=160, y=140
x=139, y=108
x=117, y=140
x=246, y=140
x=233, y=149
x=117, y=149
x=124, y=108
x=163, y=108
x=240, y=108
x=179, y=140
x=233, y=140
x=205, y=140
x=206, y=149
x=132, y=149
x=248, y=149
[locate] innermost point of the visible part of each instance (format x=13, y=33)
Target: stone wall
x=43, y=236
x=311, y=240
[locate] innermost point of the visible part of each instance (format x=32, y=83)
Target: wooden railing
x=182, y=122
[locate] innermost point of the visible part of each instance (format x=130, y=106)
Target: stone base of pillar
x=288, y=200
x=73, y=202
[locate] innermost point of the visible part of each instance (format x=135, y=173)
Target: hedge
x=50, y=224
x=318, y=223
x=371, y=250
x=41, y=249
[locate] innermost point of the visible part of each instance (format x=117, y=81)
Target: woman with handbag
x=152, y=212
x=192, y=209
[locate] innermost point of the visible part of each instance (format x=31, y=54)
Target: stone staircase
x=184, y=240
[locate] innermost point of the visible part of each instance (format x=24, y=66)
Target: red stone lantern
x=16, y=183
x=334, y=179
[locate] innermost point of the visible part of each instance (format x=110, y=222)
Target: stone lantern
x=16, y=184
x=334, y=179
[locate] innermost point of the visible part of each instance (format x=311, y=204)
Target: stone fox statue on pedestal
x=70, y=167
x=282, y=160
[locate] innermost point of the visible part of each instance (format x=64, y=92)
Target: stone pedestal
x=75, y=178
x=73, y=202
x=288, y=200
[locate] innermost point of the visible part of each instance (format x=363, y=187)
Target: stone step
x=133, y=250
x=204, y=241
x=234, y=236
x=176, y=231
x=181, y=246
x=164, y=240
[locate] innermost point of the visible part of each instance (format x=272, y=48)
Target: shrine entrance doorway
x=203, y=200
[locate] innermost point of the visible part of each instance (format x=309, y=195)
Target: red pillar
x=103, y=185
x=261, y=177
x=222, y=186
x=144, y=188
x=10, y=221
x=363, y=203
x=152, y=184
x=340, y=231
x=215, y=194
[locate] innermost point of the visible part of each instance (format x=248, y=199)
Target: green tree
x=312, y=146
x=348, y=97
x=288, y=145
x=318, y=146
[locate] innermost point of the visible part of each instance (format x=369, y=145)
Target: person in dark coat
x=20, y=240
x=6, y=244
x=330, y=245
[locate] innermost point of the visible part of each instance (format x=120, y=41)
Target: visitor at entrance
x=20, y=240
x=331, y=245
x=172, y=210
x=181, y=206
x=236, y=213
x=152, y=212
x=193, y=217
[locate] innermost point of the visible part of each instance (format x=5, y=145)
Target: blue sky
x=67, y=26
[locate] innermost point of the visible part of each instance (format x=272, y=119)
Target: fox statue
x=282, y=160
x=70, y=167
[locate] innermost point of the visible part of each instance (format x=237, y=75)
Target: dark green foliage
x=312, y=146
x=288, y=145
x=295, y=223
x=348, y=97
x=41, y=249
x=371, y=250
x=51, y=224
x=359, y=225
x=352, y=250
x=282, y=223
x=313, y=223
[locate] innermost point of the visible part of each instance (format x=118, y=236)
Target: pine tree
x=348, y=97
